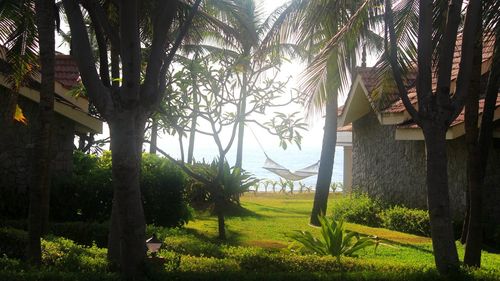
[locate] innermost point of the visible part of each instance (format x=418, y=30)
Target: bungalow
x=71, y=116
x=388, y=149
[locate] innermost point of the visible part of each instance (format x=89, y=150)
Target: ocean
x=254, y=158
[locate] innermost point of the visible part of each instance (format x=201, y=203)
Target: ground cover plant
x=257, y=248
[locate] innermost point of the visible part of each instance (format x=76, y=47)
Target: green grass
x=269, y=217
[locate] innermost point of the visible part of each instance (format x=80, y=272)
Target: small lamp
x=153, y=245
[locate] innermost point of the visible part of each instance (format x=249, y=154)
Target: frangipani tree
x=126, y=100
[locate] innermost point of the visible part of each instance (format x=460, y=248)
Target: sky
x=312, y=138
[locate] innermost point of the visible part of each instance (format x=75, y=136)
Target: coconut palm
x=22, y=25
x=335, y=31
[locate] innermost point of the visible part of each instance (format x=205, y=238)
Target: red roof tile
x=66, y=71
x=371, y=80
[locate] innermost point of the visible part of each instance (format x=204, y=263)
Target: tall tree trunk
x=474, y=234
x=326, y=161
x=127, y=130
x=154, y=135
x=241, y=115
x=39, y=192
x=474, y=228
x=443, y=242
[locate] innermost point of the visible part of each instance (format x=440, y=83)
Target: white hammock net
x=285, y=173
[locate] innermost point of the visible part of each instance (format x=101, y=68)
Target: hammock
x=285, y=173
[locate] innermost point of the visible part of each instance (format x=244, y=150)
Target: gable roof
x=393, y=111
x=66, y=76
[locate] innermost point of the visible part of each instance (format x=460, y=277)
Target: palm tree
x=33, y=22
x=39, y=192
x=336, y=31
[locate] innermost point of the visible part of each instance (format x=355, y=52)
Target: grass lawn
x=270, y=216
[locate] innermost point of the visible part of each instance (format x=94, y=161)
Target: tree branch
x=162, y=24
x=446, y=51
x=472, y=19
x=130, y=50
x=98, y=94
x=181, y=165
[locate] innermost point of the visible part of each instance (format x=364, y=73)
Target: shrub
x=207, y=264
x=13, y=242
x=406, y=220
x=85, y=233
x=87, y=194
x=162, y=186
x=358, y=208
x=190, y=245
x=64, y=254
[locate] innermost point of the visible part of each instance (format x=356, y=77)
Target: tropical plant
x=335, y=32
x=336, y=242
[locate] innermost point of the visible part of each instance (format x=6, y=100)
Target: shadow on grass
x=239, y=211
x=265, y=208
x=233, y=238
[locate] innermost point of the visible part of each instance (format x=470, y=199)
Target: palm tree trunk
x=443, y=242
x=39, y=192
x=326, y=161
x=241, y=121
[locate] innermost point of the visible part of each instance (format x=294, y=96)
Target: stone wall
x=394, y=170
x=391, y=170
x=16, y=144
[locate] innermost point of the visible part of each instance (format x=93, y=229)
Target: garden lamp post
x=153, y=245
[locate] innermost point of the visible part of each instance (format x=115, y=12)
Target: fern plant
x=336, y=242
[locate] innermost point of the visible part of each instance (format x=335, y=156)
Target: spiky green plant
x=336, y=242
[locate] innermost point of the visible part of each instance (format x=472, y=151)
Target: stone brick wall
x=394, y=171
x=391, y=170
x=16, y=145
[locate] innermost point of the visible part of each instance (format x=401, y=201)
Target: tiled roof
x=459, y=119
x=66, y=71
x=371, y=79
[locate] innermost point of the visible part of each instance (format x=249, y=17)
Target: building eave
x=356, y=105
x=84, y=122
x=453, y=132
